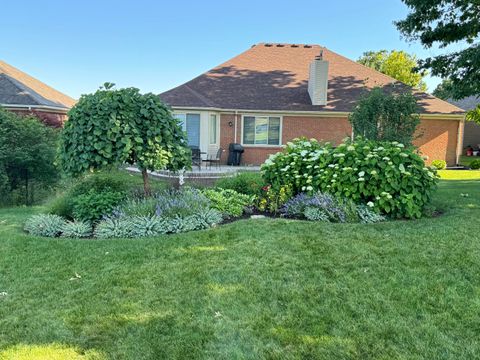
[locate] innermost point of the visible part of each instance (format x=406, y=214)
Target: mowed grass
x=253, y=289
x=459, y=174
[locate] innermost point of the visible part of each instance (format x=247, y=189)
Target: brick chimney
x=318, y=80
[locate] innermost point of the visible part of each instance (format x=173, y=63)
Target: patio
x=204, y=172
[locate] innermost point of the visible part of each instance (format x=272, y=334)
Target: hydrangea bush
x=386, y=176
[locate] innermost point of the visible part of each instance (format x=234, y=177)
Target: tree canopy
x=386, y=117
x=397, y=64
x=442, y=23
x=111, y=127
x=27, y=156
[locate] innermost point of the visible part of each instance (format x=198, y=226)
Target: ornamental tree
x=397, y=64
x=386, y=117
x=111, y=127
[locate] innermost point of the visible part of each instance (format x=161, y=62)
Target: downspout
x=461, y=130
x=235, y=124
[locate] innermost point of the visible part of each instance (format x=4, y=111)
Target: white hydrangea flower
x=361, y=179
x=370, y=204
x=350, y=148
x=361, y=173
x=400, y=145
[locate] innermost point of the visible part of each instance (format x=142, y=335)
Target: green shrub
x=229, y=202
x=439, y=164
x=99, y=182
x=394, y=179
x=92, y=205
x=44, y=225
x=249, y=183
x=475, y=164
x=76, y=229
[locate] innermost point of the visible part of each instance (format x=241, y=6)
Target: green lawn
x=253, y=289
x=466, y=160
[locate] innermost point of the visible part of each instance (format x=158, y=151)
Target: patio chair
x=196, y=158
x=215, y=159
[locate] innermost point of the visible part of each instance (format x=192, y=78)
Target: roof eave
x=311, y=113
x=35, y=107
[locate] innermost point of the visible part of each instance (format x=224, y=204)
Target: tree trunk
x=146, y=183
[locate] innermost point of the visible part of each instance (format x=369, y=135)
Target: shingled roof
x=20, y=89
x=275, y=77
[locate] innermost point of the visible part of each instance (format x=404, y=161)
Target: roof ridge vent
x=268, y=45
x=280, y=45
x=307, y=46
x=294, y=45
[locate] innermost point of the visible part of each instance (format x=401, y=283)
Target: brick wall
x=439, y=139
x=48, y=118
x=327, y=129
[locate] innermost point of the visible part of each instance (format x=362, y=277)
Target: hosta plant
x=77, y=229
x=389, y=177
x=44, y=225
x=228, y=202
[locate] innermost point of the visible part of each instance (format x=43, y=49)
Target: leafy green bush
x=249, y=183
x=383, y=116
x=92, y=205
x=439, y=164
x=229, y=202
x=44, y=225
x=76, y=229
x=393, y=178
x=475, y=164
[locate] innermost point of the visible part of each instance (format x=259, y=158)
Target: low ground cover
x=268, y=288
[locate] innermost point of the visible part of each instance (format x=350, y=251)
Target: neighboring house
x=471, y=135
x=273, y=93
x=24, y=94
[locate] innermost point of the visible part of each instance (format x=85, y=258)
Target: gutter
x=35, y=107
x=460, y=132
x=310, y=113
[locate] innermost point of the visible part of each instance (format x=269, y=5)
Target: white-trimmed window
x=261, y=130
x=212, y=129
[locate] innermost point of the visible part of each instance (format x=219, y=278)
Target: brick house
x=472, y=130
x=273, y=93
x=23, y=94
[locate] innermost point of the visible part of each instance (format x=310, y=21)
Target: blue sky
x=75, y=46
